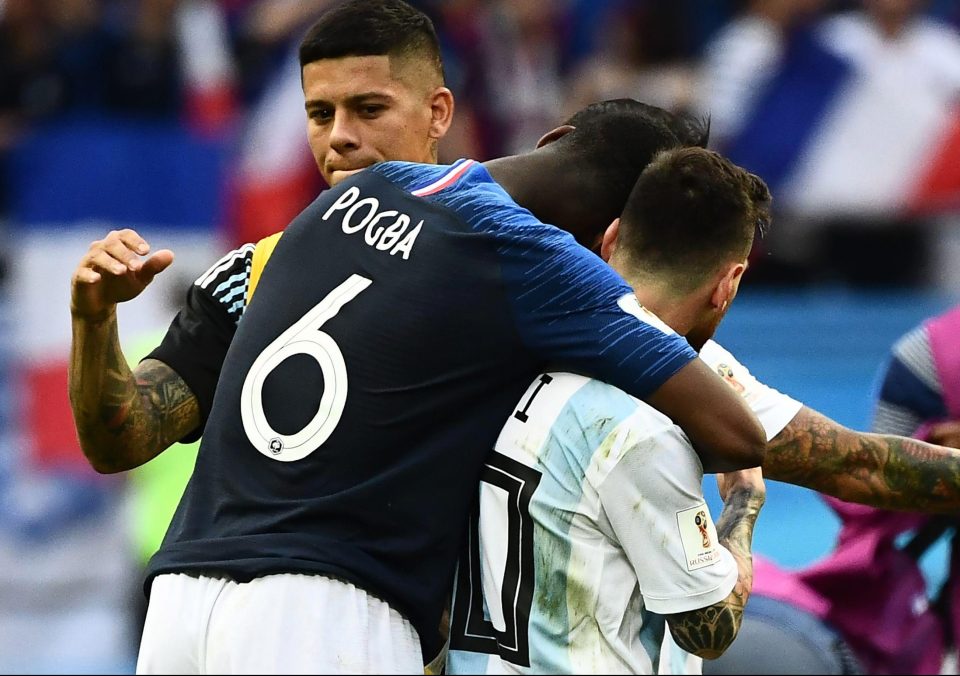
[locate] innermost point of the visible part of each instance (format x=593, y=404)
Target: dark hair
x=372, y=28
x=689, y=130
x=690, y=210
x=612, y=143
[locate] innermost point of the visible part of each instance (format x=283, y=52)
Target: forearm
x=724, y=431
x=883, y=471
x=708, y=632
x=123, y=420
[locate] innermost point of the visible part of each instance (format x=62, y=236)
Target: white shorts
x=278, y=624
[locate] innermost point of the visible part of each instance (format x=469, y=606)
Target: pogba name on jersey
x=383, y=230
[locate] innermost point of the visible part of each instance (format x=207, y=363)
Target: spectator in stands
x=639, y=53
x=741, y=59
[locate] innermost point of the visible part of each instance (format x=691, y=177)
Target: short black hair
x=372, y=28
x=689, y=211
x=689, y=130
x=612, y=143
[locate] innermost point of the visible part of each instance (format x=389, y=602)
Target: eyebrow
x=354, y=100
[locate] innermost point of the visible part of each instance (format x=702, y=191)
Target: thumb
x=156, y=264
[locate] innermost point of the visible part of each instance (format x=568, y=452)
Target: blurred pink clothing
x=868, y=588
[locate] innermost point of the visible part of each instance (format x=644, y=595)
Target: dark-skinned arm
x=880, y=470
x=708, y=632
x=723, y=430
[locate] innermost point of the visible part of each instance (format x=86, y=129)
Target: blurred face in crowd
x=893, y=10
x=367, y=109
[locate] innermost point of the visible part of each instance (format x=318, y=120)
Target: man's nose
x=344, y=134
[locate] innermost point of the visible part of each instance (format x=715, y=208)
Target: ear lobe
x=611, y=237
x=441, y=111
x=727, y=286
x=554, y=134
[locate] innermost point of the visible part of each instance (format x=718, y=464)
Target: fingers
x=125, y=246
x=117, y=253
x=87, y=276
x=722, y=486
x=949, y=427
x=102, y=261
x=945, y=434
x=750, y=479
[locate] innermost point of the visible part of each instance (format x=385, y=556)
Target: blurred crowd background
x=184, y=120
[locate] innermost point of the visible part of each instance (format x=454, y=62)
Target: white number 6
x=304, y=337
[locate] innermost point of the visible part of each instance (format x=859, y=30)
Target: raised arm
x=708, y=632
x=123, y=418
x=880, y=470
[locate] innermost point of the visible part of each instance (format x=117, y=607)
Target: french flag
x=209, y=76
x=854, y=123
x=276, y=176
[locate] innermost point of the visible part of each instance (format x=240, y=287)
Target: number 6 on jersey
x=304, y=337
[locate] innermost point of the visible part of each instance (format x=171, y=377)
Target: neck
x=538, y=183
x=891, y=26
x=680, y=313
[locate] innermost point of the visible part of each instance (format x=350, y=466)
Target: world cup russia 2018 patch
x=699, y=537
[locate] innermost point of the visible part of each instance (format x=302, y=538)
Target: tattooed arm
x=880, y=470
x=810, y=450
x=708, y=632
x=123, y=419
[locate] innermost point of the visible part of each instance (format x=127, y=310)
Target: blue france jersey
x=395, y=325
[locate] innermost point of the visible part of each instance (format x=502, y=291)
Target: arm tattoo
x=124, y=420
x=880, y=470
x=708, y=632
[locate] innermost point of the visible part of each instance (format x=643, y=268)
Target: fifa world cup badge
x=701, y=521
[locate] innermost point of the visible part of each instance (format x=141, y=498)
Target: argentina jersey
x=392, y=329
x=590, y=526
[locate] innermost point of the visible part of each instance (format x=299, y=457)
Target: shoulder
x=557, y=403
x=465, y=188
x=913, y=348
x=423, y=180
x=227, y=281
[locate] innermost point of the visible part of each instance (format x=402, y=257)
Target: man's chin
x=339, y=175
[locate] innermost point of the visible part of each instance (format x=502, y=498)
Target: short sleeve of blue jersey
x=565, y=299
x=566, y=303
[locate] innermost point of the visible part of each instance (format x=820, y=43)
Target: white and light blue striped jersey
x=574, y=469
x=775, y=410
x=591, y=525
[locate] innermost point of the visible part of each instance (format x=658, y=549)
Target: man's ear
x=441, y=112
x=554, y=134
x=611, y=237
x=727, y=286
